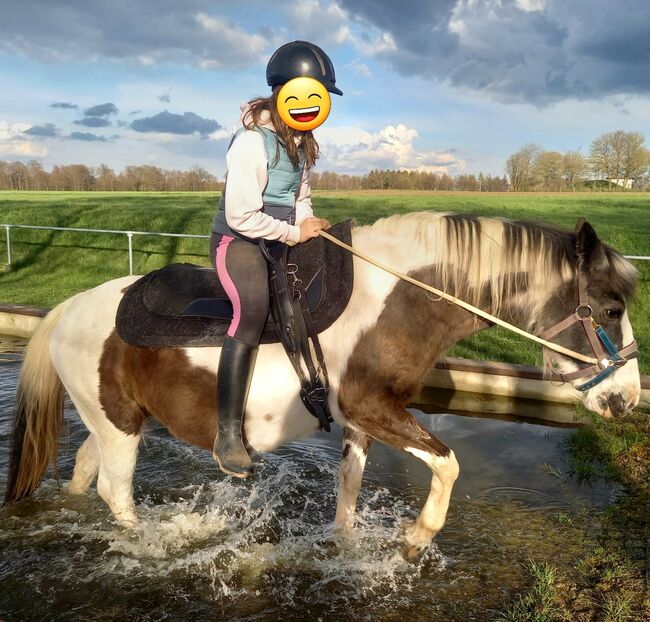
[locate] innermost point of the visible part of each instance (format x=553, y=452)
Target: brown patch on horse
x=161, y=382
x=352, y=438
x=389, y=362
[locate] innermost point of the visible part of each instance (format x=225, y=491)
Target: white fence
x=130, y=234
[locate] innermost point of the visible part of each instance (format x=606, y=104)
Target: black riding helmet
x=301, y=58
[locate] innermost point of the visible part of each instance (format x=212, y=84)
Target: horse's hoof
x=413, y=553
x=413, y=548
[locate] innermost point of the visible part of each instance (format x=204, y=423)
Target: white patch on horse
x=445, y=471
x=274, y=386
x=350, y=476
x=76, y=347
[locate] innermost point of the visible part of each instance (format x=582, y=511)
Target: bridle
x=609, y=358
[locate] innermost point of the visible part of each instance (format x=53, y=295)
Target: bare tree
x=619, y=157
x=106, y=179
x=574, y=168
x=520, y=167
x=548, y=170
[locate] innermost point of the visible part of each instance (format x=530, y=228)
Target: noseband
x=609, y=358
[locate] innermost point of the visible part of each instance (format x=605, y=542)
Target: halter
x=609, y=358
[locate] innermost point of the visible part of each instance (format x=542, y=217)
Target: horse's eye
x=614, y=314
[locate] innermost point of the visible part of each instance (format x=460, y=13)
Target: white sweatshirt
x=247, y=177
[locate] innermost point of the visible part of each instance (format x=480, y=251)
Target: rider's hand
x=311, y=227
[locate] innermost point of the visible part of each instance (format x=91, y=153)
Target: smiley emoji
x=303, y=103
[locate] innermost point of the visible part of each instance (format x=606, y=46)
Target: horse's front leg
x=432, y=518
x=382, y=417
x=353, y=461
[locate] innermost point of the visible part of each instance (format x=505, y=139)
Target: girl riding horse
x=267, y=196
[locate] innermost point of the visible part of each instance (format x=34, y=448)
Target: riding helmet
x=301, y=58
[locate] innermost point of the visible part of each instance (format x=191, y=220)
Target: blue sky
x=443, y=85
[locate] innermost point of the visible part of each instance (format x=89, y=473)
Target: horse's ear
x=591, y=252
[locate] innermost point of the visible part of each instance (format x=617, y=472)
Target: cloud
x=87, y=137
x=360, y=69
x=64, y=105
x=165, y=97
x=146, y=32
x=24, y=149
x=48, y=130
x=353, y=150
x=134, y=112
x=171, y=123
x=324, y=24
x=93, y=122
x=101, y=110
x=13, y=143
x=532, y=51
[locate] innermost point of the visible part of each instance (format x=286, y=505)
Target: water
x=213, y=548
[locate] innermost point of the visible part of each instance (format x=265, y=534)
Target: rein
x=605, y=361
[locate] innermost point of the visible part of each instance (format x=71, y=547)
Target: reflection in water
x=209, y=547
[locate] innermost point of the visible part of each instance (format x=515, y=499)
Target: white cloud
x=221, y=134
x=350, y=149
x=231, y=37
x=14, y=143
x=360, y=69
x=9, y=131
x=384, y=43
x=531, y=6
x=323, y=23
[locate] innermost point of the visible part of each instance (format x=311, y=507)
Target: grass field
x=51, y=266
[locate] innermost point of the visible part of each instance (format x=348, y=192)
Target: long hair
x=284, y=132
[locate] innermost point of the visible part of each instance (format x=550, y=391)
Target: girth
x=295, y=328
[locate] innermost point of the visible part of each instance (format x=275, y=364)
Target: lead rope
x=461, y=303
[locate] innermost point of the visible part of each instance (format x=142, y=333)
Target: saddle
x=184, y=305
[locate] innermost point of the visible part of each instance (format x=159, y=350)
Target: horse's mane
x=486, y=261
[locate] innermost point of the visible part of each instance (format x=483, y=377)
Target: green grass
x=542, y=602
x=49, y=267
x=608, y=580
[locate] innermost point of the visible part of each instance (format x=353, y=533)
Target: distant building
x=626, y=184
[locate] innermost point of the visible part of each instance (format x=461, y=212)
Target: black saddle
x=183, y=305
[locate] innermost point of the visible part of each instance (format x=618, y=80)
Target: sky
x=452, y=86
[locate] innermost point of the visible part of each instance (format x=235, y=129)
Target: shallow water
x=213, y=548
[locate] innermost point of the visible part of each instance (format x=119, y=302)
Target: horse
x=377, y=353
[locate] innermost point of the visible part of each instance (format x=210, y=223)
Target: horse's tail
x=38, y=412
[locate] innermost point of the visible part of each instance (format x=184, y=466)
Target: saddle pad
x=183, y=305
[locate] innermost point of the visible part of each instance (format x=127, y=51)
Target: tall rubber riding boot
x=233, y=382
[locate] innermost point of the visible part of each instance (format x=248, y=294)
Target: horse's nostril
x=616, y=404
x=602, y=402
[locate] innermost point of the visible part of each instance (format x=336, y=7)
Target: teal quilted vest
x=279, y=196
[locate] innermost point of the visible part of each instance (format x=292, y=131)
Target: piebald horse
x=377, y=352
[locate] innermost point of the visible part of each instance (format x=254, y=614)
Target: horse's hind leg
x=386, y=420
x=117, y=456
x=86, y=467
x=353, y=461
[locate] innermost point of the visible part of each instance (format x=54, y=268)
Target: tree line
x=79, y=177
x=408, y=180
x=616, y=161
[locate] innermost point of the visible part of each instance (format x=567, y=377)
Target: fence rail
x=130, y=234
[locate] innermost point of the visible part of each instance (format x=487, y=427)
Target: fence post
x=129, y=234
x=8, y=227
